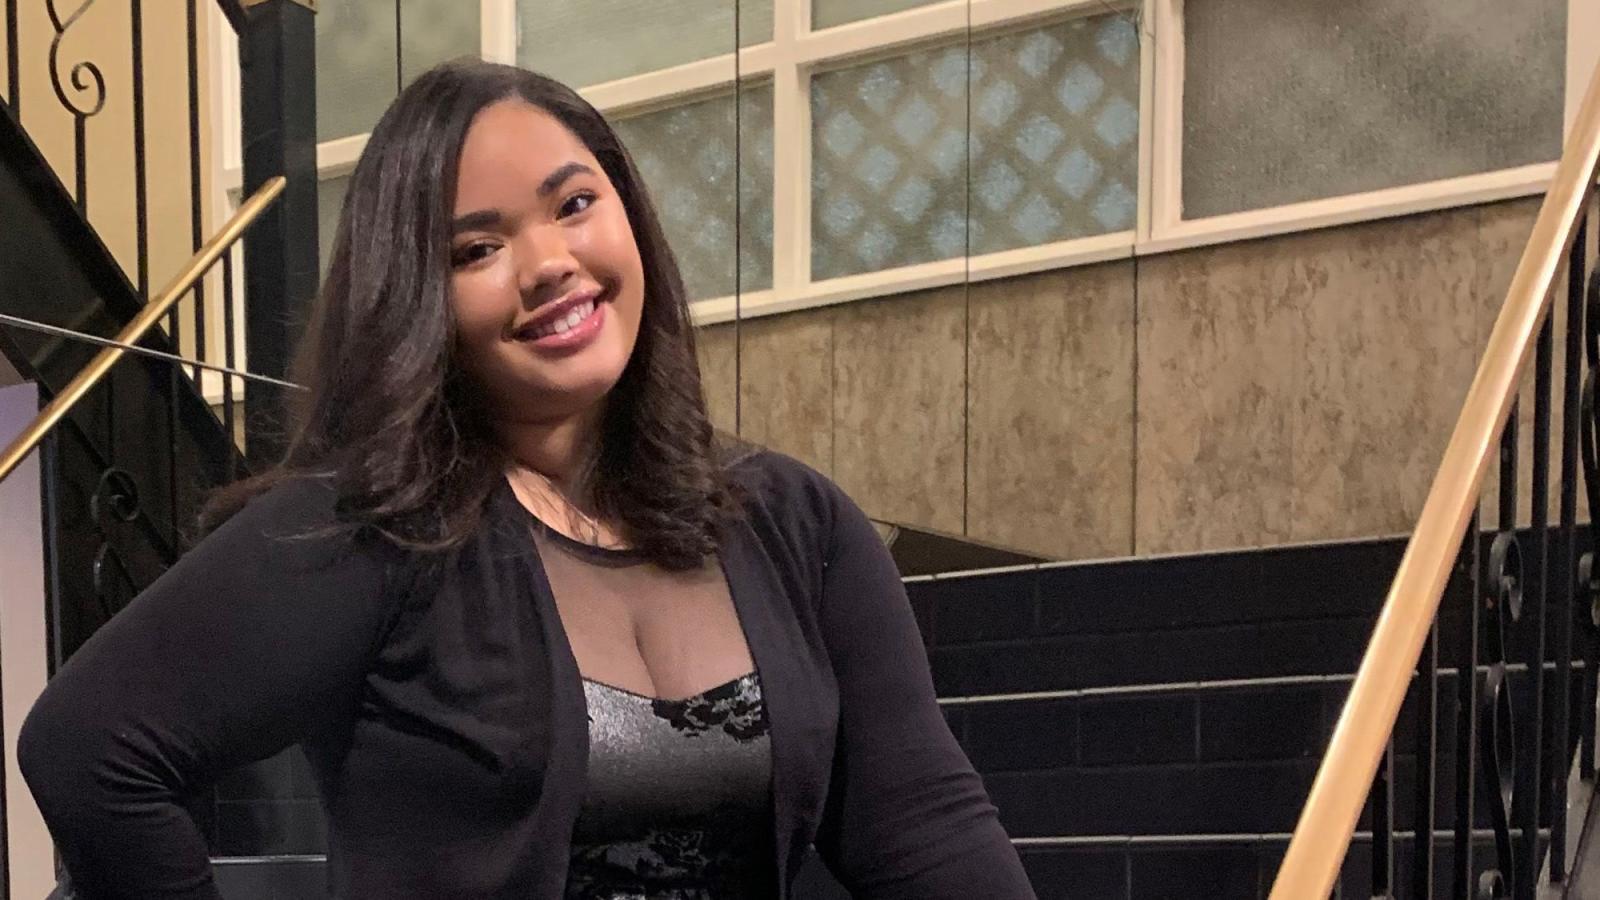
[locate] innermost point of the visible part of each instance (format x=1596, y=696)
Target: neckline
x=689, y=699
x=608, y=556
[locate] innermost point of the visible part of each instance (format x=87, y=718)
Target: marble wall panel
x=786, y=390
x=1219, y=334
x=898, y=389
x=714, y=345
x=1050, y=409
x=1389, y=352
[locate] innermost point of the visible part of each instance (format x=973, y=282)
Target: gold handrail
x=152, y=312
x=1322, y=836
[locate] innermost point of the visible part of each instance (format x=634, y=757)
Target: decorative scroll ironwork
x=115, y=501
x=97, y=90
x=86, y=79
x=1497, y=737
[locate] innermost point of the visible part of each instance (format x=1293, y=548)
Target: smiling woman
x=540, y=633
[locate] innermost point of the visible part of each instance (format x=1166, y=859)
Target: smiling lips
x=565, y=323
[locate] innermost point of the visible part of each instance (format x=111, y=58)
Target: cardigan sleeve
x=227, y=658
x=906, y=816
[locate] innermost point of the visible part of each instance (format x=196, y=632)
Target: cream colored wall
x=1287, y=389
x=104, y=37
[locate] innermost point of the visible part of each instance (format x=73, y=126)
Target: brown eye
x=471, y=253
x=577, y=203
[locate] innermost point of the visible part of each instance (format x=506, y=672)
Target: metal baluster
x=1466, y=742
x=196, y=224
x=141, y=177
x=87, y=79
x=1382, y=800
x=1561, y=726
x=1526, y=806
x=13, y=50
x=1588, y=584
x=228, y=354
x=1427, y=764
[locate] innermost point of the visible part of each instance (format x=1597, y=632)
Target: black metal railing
x=1520, y=602
x=126, y=472
x=1508, y=614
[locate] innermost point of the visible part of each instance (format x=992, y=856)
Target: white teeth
x=561, y=326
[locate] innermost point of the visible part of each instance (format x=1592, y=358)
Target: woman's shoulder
x=769, y=479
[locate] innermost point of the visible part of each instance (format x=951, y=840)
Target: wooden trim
x=497, y=23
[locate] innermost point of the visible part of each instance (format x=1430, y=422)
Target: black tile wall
x=1158, y=799
x=1032, y=734
x=1076, y=873
x=1185, y=873
x=1131, y=730
x=270, y=827
x=272, y=880
x=1265, y=723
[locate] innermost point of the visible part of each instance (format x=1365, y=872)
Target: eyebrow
x=485, y=217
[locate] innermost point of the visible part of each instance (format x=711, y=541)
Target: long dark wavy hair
x=388, y=413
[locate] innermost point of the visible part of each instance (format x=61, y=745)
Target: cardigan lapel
x=798, y=689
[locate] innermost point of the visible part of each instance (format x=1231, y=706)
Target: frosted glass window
x=920, y=157
x=432, y=31
x=687, y=158
x=355, y=66
x=1055, y=134
x=587, y=42
x=889, y=163
x=828, y=13
x=1293, y=100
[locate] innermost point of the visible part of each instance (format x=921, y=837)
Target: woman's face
x=546, y=283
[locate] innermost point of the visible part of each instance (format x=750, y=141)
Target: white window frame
x=796, y=51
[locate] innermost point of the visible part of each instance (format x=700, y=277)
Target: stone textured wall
x=1288, y=389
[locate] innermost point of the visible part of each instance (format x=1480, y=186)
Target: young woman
x=538, y=636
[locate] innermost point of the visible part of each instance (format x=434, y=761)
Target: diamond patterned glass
x=828, y=13
x=1275, y=112
x=432, y=31
x=587, y=42
x=687, y=157
x=355, y=66
x=1052, y=147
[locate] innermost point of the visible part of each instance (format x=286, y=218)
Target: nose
x=549, y=263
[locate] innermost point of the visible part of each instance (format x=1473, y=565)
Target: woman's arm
x=227, y=658
x=907, y=817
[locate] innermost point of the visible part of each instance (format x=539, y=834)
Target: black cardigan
x=444, y=715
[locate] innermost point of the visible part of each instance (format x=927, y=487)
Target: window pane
x=587, y=42
x=828, y=13
x=432, y=31
x=1405, y=91
x=1055, y=134
x=889, y=163
x=687, y=158
x=1051, y=137
x=355, y=66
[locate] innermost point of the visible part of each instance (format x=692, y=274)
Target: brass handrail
x=152, y=312
x=1322, y=836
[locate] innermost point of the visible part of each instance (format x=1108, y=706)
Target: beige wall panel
x=786, y=388
x=1389, y=325
x=714, y=346
x=1050, y=465
x=1219, y=334
x=898, y=406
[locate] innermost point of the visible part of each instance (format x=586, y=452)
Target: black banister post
x=277, y=54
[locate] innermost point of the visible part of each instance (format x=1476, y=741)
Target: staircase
x=1149, y=728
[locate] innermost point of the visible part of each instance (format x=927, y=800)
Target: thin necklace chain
x=593, y=525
